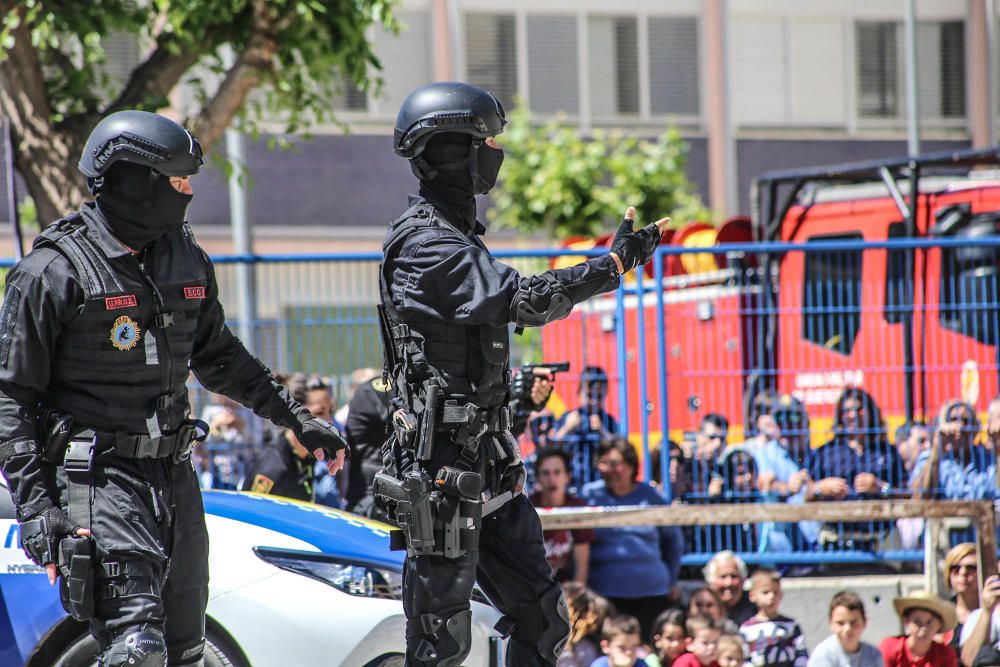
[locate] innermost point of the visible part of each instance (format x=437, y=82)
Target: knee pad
x=139, y=646
x=443, y=641
x=541, y=629
x=557, y=624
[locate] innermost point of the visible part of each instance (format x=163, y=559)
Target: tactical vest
x=122, y=363
x=469, y=361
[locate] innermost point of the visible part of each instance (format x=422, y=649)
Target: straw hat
x=928, y=602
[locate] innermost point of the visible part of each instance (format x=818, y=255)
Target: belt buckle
x=80, y=455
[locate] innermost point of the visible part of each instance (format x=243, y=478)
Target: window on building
x=349, y=97
x=121, y=56
x=759, y=82
x=406, y=60
x=553, y=81
x=940, y=69
x=491, y=54
x=879, y=64
x=673, y=65
x=817, y=71
x=614, y=65
x=831, y=299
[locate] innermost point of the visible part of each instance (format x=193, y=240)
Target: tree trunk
x=45, y=155
x=48, y=165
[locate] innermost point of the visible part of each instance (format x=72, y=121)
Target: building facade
x=752, y=84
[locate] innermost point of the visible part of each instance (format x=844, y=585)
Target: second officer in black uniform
x=101, y=324
x=452, y=471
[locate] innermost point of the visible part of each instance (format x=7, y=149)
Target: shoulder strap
x=69, y=236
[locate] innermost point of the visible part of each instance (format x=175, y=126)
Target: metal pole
x=991, y=54
x=15, y=221
x=912, y=111
x=246, y=286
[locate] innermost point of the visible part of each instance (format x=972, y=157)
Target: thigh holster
x=436, y=517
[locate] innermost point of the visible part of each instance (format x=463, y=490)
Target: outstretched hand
x=631, y=248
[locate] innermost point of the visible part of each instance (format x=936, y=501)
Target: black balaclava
x=462, y=169
x=140, y=205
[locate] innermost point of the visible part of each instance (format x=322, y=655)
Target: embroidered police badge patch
x=125, y=333
x=262, y=484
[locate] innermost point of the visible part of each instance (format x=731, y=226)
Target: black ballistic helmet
x=142, y=138
x=445, y=106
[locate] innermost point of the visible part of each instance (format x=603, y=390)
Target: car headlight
x=354, y=578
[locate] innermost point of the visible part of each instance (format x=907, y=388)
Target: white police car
x=292, y=585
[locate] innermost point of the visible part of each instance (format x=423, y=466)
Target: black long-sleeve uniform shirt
x=449, y=275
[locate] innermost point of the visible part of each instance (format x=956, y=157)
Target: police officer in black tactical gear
x=100, y=326
x=452, y=472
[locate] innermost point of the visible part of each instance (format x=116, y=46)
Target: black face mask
x=488, y=161
x=140, y=207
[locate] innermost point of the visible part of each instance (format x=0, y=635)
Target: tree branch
x=156, y=76
x=241, y=79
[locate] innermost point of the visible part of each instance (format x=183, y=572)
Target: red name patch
x=116, y=302
x=194, y=292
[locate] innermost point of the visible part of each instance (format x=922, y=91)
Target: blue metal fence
x=773, y=339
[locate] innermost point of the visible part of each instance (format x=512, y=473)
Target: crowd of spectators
x=245, y=454
x=623, y=583
x=735, y=620
x=951, y=457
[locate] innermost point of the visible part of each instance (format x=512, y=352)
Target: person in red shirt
x=924, y=615
x=702, y=643
x=568, y=551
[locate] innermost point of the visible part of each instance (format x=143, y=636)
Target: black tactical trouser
x=511, y=569
x=143, y=512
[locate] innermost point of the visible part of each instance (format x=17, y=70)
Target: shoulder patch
x=262, y=484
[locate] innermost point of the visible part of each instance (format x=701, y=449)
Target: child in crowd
x=702, y=643
x=587, y=612
x=774, y=640
x=669, y=633
x=706, y=602
x=731, y=652
x=924, y=615
x=844, y=647
x=620, y=643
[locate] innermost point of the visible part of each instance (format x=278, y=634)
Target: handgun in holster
x=76, y=586
x=54, y=430
x=412, y=497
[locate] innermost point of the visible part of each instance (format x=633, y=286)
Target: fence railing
x=750, y=361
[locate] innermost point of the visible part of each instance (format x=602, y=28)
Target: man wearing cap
x=100, y=326
x=924, y=615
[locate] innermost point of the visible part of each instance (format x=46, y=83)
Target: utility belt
x=66, y=442
x=468, y=419
x=76, y=449
x=439, y=510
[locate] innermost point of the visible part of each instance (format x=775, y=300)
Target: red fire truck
x=841, y=278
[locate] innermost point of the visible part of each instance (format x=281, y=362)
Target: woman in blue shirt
x=635, y=567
